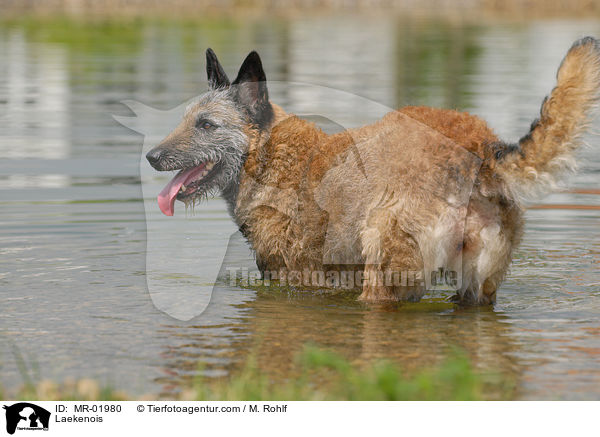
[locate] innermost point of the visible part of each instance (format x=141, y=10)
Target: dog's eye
x=205, y=124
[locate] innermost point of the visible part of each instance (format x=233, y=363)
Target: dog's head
x=209, y=145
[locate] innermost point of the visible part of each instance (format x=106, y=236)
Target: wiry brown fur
x=289, y=231
x=547, y=150
x=420, y=189
x=298, y=155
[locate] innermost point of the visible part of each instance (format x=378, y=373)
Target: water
x=73, y=227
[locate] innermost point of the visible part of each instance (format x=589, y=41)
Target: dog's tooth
x=210, y=165
x=183, y=188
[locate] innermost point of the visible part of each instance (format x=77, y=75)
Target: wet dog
x=422, y=190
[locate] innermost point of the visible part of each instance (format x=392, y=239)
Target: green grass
x=324, y=375
x=319, y=375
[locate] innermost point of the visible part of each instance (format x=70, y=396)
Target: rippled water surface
x=73, y=280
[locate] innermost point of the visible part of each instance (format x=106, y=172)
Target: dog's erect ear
x=216, y=75
x=251, y=90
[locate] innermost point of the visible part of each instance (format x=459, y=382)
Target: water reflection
x=274, y=328
x=35, y=98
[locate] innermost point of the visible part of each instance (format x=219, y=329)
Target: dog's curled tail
x=547, y=150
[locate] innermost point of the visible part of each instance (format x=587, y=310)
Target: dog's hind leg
x=392, y=260
x=486, y=269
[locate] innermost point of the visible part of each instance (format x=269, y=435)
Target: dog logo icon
x=26, y=416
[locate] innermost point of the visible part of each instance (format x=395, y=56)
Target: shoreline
x=513, y=10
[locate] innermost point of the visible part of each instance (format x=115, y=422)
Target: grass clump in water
x=325, y=375
x=319, y=374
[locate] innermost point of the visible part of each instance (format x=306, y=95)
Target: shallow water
x=75, y=301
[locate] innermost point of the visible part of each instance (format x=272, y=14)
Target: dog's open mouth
x=184, y=185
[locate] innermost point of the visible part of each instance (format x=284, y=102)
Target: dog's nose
x=154, y=156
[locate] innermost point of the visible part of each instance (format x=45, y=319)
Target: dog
x=420, y=189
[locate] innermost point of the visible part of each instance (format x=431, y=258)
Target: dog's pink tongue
x=166, y=198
